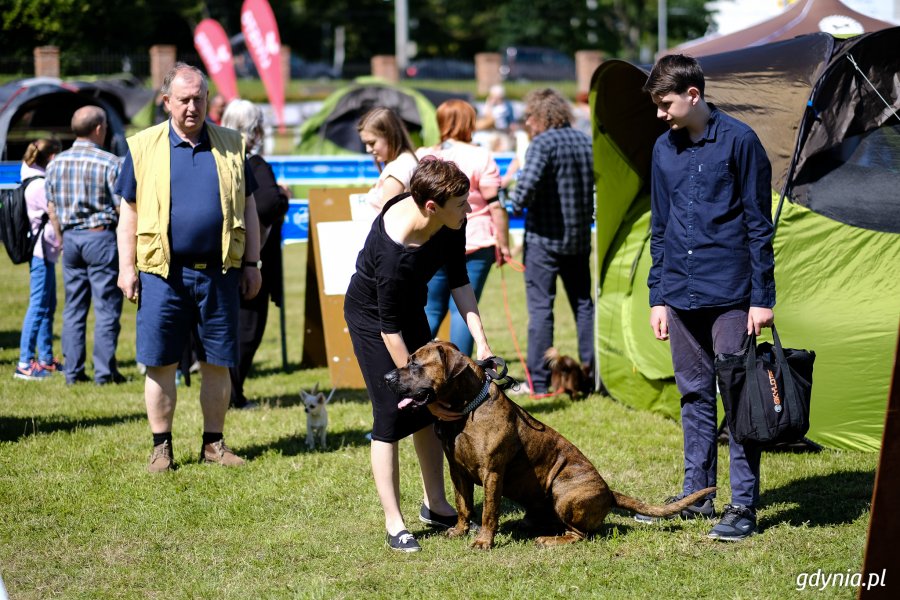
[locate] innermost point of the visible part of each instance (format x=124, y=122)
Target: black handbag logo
x=776, y=399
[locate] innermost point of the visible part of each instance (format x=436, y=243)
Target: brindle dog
x=501, y=447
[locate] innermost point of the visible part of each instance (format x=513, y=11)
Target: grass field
x=81, y=518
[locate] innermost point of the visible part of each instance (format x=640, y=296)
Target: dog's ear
x=315, y=389
x=321, y=398
x=455, y=362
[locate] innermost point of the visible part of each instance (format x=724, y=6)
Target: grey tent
x=44, y=106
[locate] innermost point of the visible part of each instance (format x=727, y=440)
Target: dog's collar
x=479, y=399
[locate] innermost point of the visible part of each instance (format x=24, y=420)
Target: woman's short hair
x=385, y=123
x=247, y=118
x=40, y=151
x=438, y=180
x=456, y=120
x=549, y=107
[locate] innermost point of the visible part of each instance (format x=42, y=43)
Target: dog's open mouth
x=417, y=399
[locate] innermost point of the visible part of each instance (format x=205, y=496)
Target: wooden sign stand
x=325, y=336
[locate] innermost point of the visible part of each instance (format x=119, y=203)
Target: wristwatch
x=252, y=263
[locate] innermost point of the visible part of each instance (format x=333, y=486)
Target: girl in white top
x=387, y=140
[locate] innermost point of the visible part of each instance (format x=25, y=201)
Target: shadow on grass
x=279, y=370
x=822, y=500
x=295, y=444
x=13, y=429
x=289, y=400
x=537, y=407
x=10, y=339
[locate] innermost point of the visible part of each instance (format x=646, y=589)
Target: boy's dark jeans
x=695, y=337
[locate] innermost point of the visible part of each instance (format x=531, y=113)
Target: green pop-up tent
x=332, y=130
x=826, y=112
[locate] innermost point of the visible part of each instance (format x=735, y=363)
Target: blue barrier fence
x=303, y=170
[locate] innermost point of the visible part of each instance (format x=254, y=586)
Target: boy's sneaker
x=33, y=372
x=738, y=523
x=699, y=510
x=403, y=542
x=53, y=366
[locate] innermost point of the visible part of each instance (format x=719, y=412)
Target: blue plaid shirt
x=81, y=181
x=557, y=186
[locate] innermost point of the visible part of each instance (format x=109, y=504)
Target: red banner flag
x=212, y=43
x=264, y=43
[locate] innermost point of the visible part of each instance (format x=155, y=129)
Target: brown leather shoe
x=161, y=459
x=220, y=454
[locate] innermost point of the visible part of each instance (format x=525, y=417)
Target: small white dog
x=314, y=403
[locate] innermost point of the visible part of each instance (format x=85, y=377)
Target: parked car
x=523, y=63
x=300, y=69
x=440, y=68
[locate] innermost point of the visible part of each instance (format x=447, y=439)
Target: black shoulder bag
x=766, y=391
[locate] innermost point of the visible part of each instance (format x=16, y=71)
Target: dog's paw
x=483, y=543
x=457, y=531
x=549, y=541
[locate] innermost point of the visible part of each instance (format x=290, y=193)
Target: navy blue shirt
x=711, y=219
x=195, y=229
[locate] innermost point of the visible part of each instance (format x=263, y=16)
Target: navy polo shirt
x=711, y=219
x=195, y=229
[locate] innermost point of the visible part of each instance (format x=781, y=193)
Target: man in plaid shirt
x=556, y=185
x=80, y=183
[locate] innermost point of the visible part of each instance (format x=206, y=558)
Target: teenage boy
x=712, y=278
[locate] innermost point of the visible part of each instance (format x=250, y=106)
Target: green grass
x=80, y=517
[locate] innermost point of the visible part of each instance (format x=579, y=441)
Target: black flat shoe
x=435, y=520
x=403, y=542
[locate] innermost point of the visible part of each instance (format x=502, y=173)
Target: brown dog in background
x=567, y=375
x=501, y=447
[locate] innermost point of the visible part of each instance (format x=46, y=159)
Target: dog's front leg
x=310, y=437
x=490, y=511
x=464, y=489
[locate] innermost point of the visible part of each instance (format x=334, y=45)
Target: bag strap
x=45, y=217
x=790, y=391
x=750, y=368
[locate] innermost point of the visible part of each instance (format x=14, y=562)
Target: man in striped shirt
x=80, y=183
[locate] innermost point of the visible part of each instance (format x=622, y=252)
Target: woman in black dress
x=414, y=236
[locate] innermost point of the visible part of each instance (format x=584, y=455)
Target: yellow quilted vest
x=150, y=151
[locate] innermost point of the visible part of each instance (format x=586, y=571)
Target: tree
x=458, y=29
x=93, y=26
x=618, y=27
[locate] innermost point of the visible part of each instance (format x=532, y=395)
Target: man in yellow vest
x=188, y=242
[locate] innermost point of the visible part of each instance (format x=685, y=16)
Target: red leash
x=520, y=268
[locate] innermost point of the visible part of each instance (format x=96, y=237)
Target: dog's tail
x=552, y=357
x=635, y=505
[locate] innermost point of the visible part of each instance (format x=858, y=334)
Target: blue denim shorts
x=205, y=302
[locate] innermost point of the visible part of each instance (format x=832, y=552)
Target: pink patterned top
x=48, y=246
x=480, y=167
